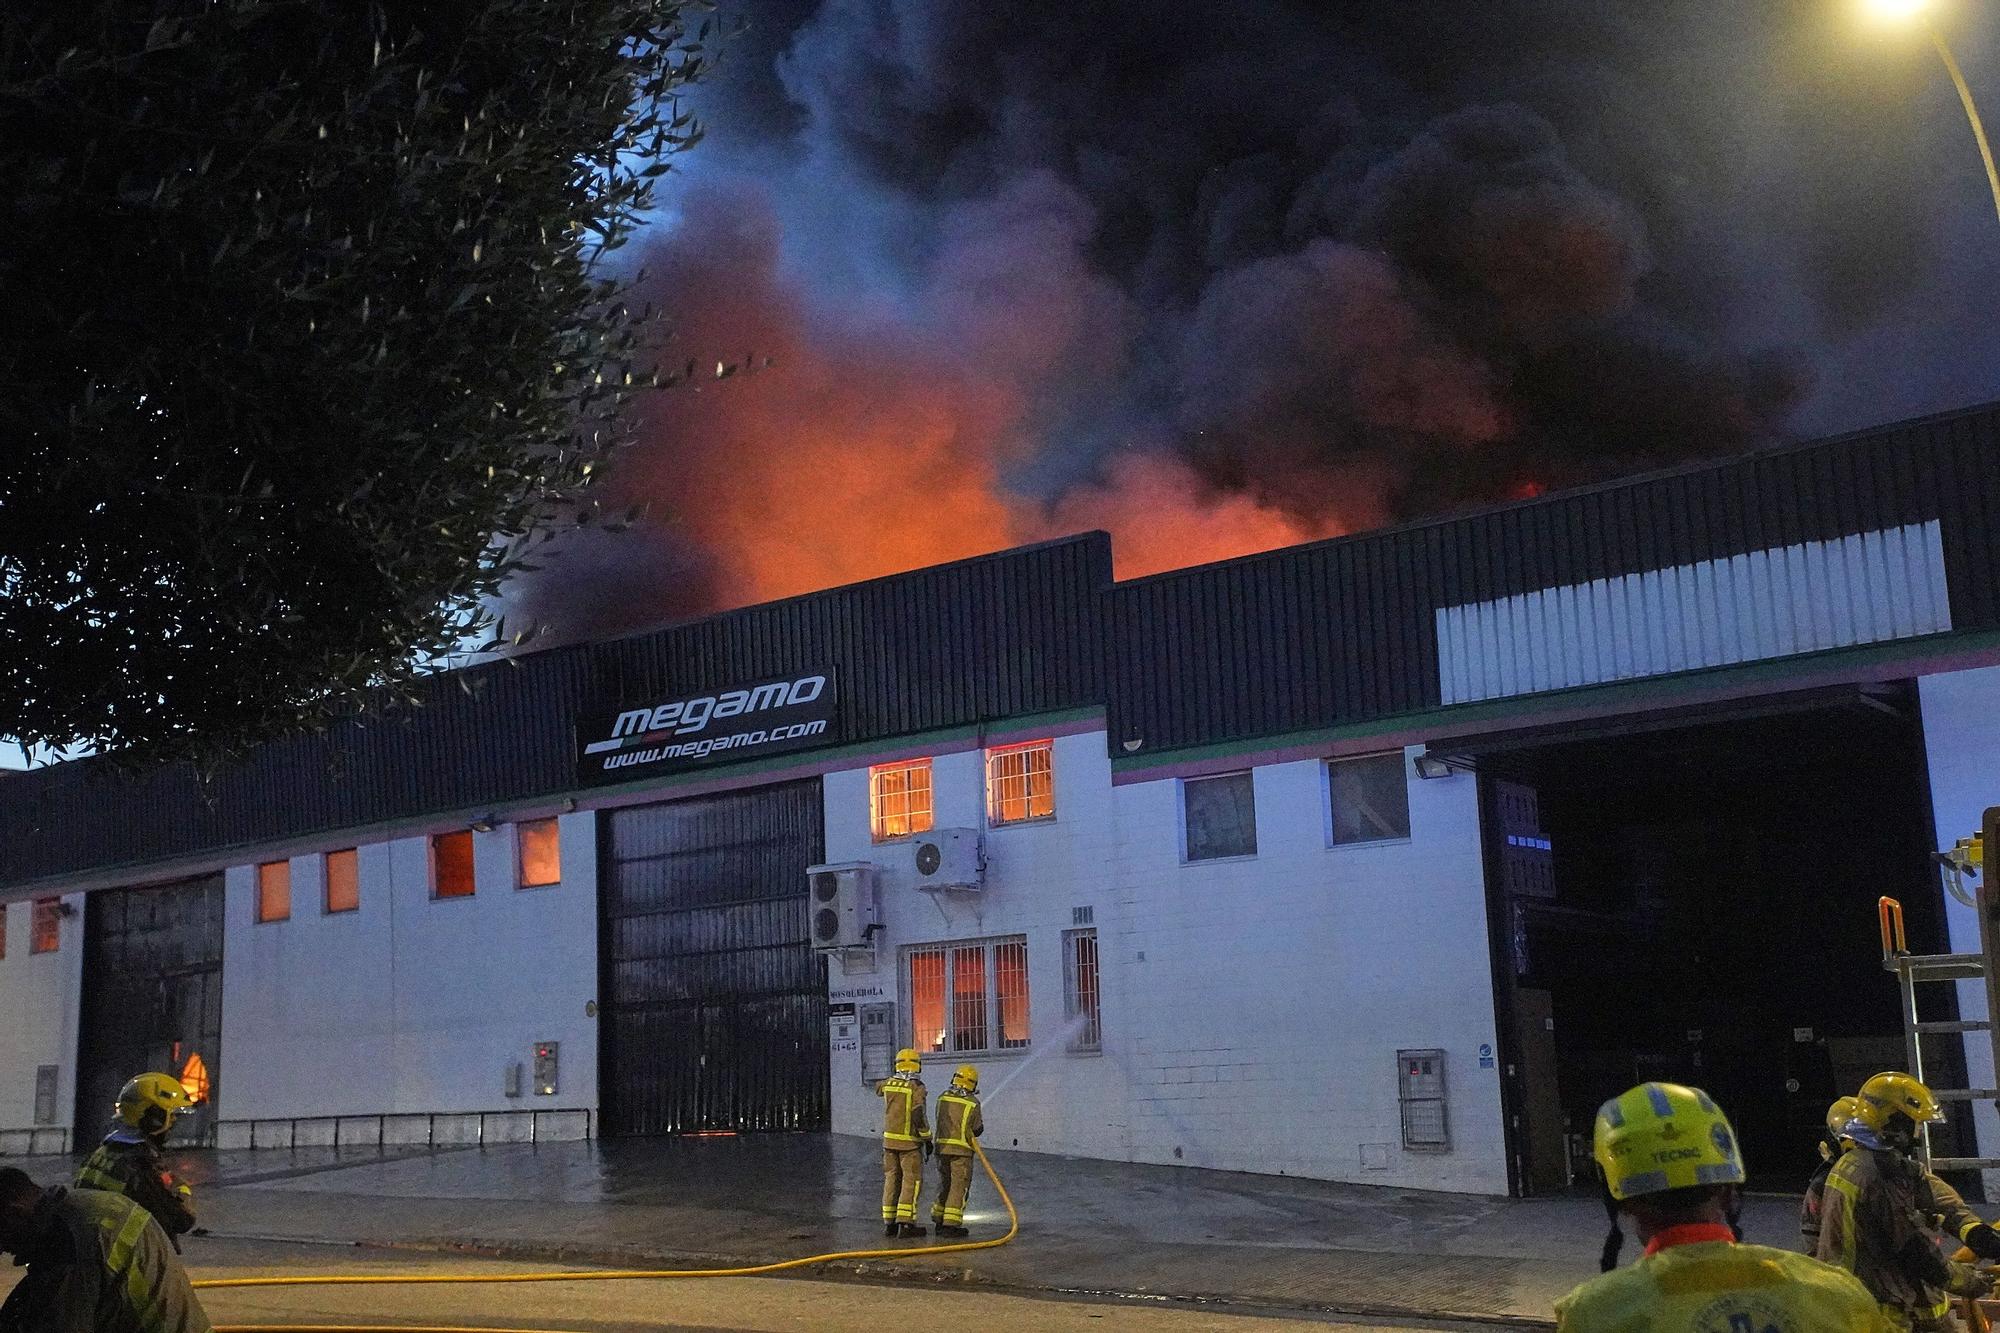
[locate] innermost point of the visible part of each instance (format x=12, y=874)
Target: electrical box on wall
x=510, y=1079
x=878, y=1043
x=1420, y=1090
x=45, y=1094
x=842, y=901
x=947, y=858
x=546, y=1054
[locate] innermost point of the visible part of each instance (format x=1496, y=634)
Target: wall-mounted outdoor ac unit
x=841, y=903
x=946, y=858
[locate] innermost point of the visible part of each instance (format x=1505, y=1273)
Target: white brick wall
x=1252, y=1008
x=39, y=995
x=410, y=1004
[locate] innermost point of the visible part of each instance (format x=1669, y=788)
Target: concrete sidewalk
x=1158, y=1232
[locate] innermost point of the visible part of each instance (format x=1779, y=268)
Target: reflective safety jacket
x=128, y=1163
x=100, y=1264
x=1876, y=1221
x=903, y=1123
x=1698, y=1279
x=1941, y=1205
x=958, y=1122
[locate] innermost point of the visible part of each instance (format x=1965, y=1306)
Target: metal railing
x=38, y=1141
x=400, y=1129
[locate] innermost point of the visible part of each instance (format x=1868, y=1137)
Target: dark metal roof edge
x=1607, y=486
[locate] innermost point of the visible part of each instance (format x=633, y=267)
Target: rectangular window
x=541, y=853
x=1371, y=799
x=970, y=997
x=1080, y=1013
x=274, y=891
x=451, y=865
x=45, y=926
x=343, y=881
x=899, y=799
x=1220, y=815
x=1020, y=783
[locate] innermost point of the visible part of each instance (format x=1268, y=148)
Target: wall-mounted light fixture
x=483, y=824
x=1430, y=766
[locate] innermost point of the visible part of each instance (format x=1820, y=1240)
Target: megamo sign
x=703, y=730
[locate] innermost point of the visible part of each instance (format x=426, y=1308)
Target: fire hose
x=587, y=1275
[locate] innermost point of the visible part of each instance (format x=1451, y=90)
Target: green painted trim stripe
x=1927, y=656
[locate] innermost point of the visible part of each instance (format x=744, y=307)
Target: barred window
x=1371, y=799
x=968, y=997
x=1020, y=783
x=1080, y=1013
x=899, y=799
x=274, y=891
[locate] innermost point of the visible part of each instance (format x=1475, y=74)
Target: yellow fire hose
x=586, y=1275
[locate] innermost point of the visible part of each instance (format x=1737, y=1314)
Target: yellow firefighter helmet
x=907, y=1061
x=1662, y=1136
x=1892, y=1094
x=966, y=1077
x=1838, y=1114
x=151, y=1101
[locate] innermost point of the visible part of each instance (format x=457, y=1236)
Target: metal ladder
x=1914, y=970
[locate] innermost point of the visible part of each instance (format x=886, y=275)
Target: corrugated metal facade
x=1290, y=641
x=1344, y=631
x=1867, y=588
x=999, y=636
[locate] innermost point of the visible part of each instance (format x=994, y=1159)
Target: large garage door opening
x=152, y=999
x=714, y=1015
x=1692, y=898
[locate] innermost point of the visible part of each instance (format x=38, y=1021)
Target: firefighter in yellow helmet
x=906, y=1141
x=1880, y=1208
x=1670, y=1160
x=959, y=1122
x=1936, y=1200
x=130, y=1160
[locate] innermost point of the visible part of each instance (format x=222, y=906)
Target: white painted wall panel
x=39, y=998
x=1865, y=588
x=411, y=1004
x=1252, y=1008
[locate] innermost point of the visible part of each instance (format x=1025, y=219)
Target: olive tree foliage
x=305, y=339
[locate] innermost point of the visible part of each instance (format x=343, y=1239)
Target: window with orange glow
x=968, y=997
x=274, y=891
x=1020, y=783
x=45, y=926
x=343, y=881
x=899, y=799
x=451, y=865
x=541, y=853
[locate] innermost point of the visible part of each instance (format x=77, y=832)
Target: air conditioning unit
x=946, y=858
x=841, y=903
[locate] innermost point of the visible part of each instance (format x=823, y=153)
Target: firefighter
x=1670, y=1160
x=97, y=1263
x=1936, y=1200
x=1876, y=1216
x=958, y=1123
x=129, y=1161
x=906, y=1142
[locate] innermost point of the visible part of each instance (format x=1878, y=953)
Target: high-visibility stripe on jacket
x=903, y=1115
x=117, y=1274
x=1720, y=1285
x=958, y=1124
x=135, y=1169
x=1873, y=1223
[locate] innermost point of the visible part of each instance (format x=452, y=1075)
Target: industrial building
x=1380, y=859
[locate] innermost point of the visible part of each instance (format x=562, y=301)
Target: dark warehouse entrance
x=1691, y=897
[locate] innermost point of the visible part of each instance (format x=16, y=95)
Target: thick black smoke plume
x=1225, y=276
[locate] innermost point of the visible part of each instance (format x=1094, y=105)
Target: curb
x=891, y=1273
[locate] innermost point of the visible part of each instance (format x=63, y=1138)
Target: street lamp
x=1905, y=10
